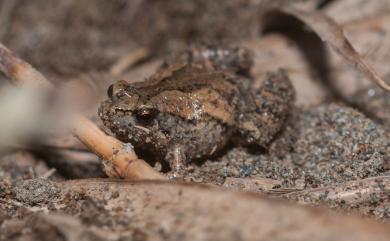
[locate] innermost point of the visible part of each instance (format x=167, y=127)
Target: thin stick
x=121, y=161
x=19, y=71
x=348, y=193
x=129, y=60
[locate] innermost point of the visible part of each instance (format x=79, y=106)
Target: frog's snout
x=146, y=113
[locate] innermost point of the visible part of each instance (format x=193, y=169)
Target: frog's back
x=192, y=92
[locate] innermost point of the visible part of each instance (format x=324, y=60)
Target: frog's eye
x=116, y=88
x=145, y=113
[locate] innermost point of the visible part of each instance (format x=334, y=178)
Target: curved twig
x=332, y=33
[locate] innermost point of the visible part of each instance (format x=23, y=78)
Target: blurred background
x=66, y=38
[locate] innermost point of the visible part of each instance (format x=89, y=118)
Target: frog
x=196, y=104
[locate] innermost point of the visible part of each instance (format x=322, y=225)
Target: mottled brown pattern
x=191, y=110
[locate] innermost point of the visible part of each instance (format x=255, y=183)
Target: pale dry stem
x=121, y=160
x=129, y=60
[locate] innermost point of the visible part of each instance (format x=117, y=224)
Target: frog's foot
x=176, y=159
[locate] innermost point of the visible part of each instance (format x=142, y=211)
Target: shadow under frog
x=197, y=102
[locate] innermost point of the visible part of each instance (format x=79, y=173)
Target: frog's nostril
x=146, y=113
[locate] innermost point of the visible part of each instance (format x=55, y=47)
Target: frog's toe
x=176, y=159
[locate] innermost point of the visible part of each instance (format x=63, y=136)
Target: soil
x=333, y=151
x=321, y=146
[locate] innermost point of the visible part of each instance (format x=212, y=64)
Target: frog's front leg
x=177, y=161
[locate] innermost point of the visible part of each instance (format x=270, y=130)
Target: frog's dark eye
x=146, y=113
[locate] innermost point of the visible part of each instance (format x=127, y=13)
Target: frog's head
x=132, y=118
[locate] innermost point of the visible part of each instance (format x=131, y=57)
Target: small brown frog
x=196, y=103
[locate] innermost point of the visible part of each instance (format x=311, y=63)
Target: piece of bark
x=193, y=212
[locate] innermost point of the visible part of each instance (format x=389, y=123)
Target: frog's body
x=190, y=109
